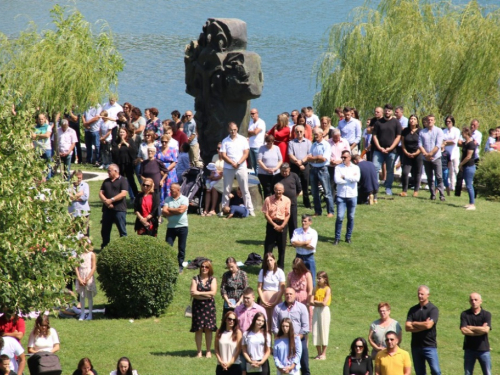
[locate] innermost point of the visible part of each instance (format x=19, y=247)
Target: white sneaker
x=252, y=213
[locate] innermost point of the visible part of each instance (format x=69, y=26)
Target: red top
x=281, y=139
x=180, y=137
x=8, y=326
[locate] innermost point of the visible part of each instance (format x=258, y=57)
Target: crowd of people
x=301, y=154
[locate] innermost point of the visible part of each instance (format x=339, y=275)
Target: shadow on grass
x=254, y=270
x=250, y=242
x=179, y=353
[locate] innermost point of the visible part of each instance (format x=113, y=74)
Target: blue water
x=152, y=35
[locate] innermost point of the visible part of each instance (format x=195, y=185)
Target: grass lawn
x=397, y=245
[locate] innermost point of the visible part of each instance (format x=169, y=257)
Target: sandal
x=209, y=214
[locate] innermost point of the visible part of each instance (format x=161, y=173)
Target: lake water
x=152, y=35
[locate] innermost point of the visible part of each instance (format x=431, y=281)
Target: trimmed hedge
x=138, y=276
x=487, y=176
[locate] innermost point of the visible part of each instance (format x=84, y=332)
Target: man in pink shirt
x=246, y=311
x=337, y=146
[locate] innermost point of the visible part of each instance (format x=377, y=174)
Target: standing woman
x=146, y=208
x=153, y=168
x=154, y=123
x=281, y=133
x=228, y=346
x=326, y=126
x=358, y=362
x=142, y=154
x=412, y=157
x=287, y=349
x=167, y=155
x=379, y=327
x=257, y=346
x=467, y=165
x=233, y=283
x=203, y=289
x=271, y=286
x=321, y=317
x=269, y=159
x=124, y=153
x=300, y=280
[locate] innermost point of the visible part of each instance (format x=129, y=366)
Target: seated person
x=236, y=207
x=84, y=367
x=5, y=365
x=12, y=325
x=43, y=338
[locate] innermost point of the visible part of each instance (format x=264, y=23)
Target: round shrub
x=488, y=175
x=138, y=276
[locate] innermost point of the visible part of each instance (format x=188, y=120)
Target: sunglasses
x=204, y=267
x=146, y=185
x=162, y=142
x=231, y=319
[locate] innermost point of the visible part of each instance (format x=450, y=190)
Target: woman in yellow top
x=321, y=298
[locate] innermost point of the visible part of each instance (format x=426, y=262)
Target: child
x=182, y=161
x=213, y=178
x=321, y=298
x=85, y=283
x=5, y=365
x=105, y=129
x=491, y=140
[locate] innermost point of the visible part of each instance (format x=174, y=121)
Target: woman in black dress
x=203, y=289
x=412, y=158
x=358, y=362
x=124, y=153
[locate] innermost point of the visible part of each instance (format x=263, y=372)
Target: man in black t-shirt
x=421, y=322
x=475, y=324
x=114, y=206
x=386, y=136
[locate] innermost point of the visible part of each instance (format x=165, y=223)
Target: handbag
x=188, y=313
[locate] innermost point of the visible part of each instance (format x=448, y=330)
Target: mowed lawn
x=397, y=245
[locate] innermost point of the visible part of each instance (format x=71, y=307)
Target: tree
x=51, y=71
x=437, y=58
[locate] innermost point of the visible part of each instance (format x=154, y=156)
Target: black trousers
x=276, y=238
x=292, y=223
x=304, y=181
x=266, y=181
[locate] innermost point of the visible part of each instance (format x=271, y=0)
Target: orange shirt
x=277, y=209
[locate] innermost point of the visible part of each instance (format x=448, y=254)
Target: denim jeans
x=342, y=204
x=320, y=176
x=47, y=155
x=420, y=355
x=434, y=168
x=468, y=173
x=470, y=357
x=66, y=161
x=182, y=234
x=254, y=151
x=108, y=218
x=92, y=139
x=310, y=263
x=389, y=159
x=304, y=358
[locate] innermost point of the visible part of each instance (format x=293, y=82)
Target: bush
x=138, y=276
x=488, y=175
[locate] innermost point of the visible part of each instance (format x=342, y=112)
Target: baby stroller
x=192, y=187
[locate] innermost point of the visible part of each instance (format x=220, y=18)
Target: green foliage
x=138, y=276
x=428, y=57
x=51, y=70
x=488, y=175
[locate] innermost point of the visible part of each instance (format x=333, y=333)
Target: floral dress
x=84, y=269
x=168, y=157
x=204, y=314
x=233, y=286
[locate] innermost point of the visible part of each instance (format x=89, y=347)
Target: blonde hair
x=152, y=187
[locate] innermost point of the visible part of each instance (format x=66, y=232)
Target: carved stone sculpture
x=223, y=77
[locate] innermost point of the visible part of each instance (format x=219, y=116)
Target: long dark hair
x=265, y=266
x=83, y=361
x=418, y=122
x=263, y=330
x=290, y=336
x=125, y=359
x=223, y=326
x=353, y=347
x=42, y=320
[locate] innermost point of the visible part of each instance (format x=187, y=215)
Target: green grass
x=397, y=245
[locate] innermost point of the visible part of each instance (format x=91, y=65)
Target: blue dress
x=169, y=157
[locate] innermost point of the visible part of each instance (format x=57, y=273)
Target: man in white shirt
x=11, y=347
x=234, y=151
x=112, y=107
x=256, y=134
x=67, y=142
x=451, y=136
x=91, y=124
x=305, y=240
x=398, y=112
x=346, y=177
x=311, y=119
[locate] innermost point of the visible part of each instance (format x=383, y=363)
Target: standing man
x=67, y=142
x=386, y=136
x=175, y=210
x=276, y=209
x=319, y=158
x=349, y=130
x=298, y=314
x=178, y=134
x=311, y=119
x=477, y=136
x=113, y=195
x=298, y=149
x=92, y=140
x=79, y=195
x=112, y=107
x=234, y=151
x=337, y=145
x=291, y=183
x=74, y=123
x=256, y=133
x=392, y=360
x=430, y=140
x=368, y=181
x=421, y=322
x=346, y=177
x=305, y=240
x=398, y=112
x=475, y=325
x=192, y=134
x=247, y=310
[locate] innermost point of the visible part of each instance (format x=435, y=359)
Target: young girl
x=123, y=367
x=321, y=299
x=85, y=283
x=287, y=349
x=257, y=346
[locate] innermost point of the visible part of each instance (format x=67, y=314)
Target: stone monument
x=223, y=77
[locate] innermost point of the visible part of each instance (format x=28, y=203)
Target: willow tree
x=51, y=71
x=428, y=57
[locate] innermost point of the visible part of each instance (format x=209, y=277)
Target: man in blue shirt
x=350, y=130
x=192, y=134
